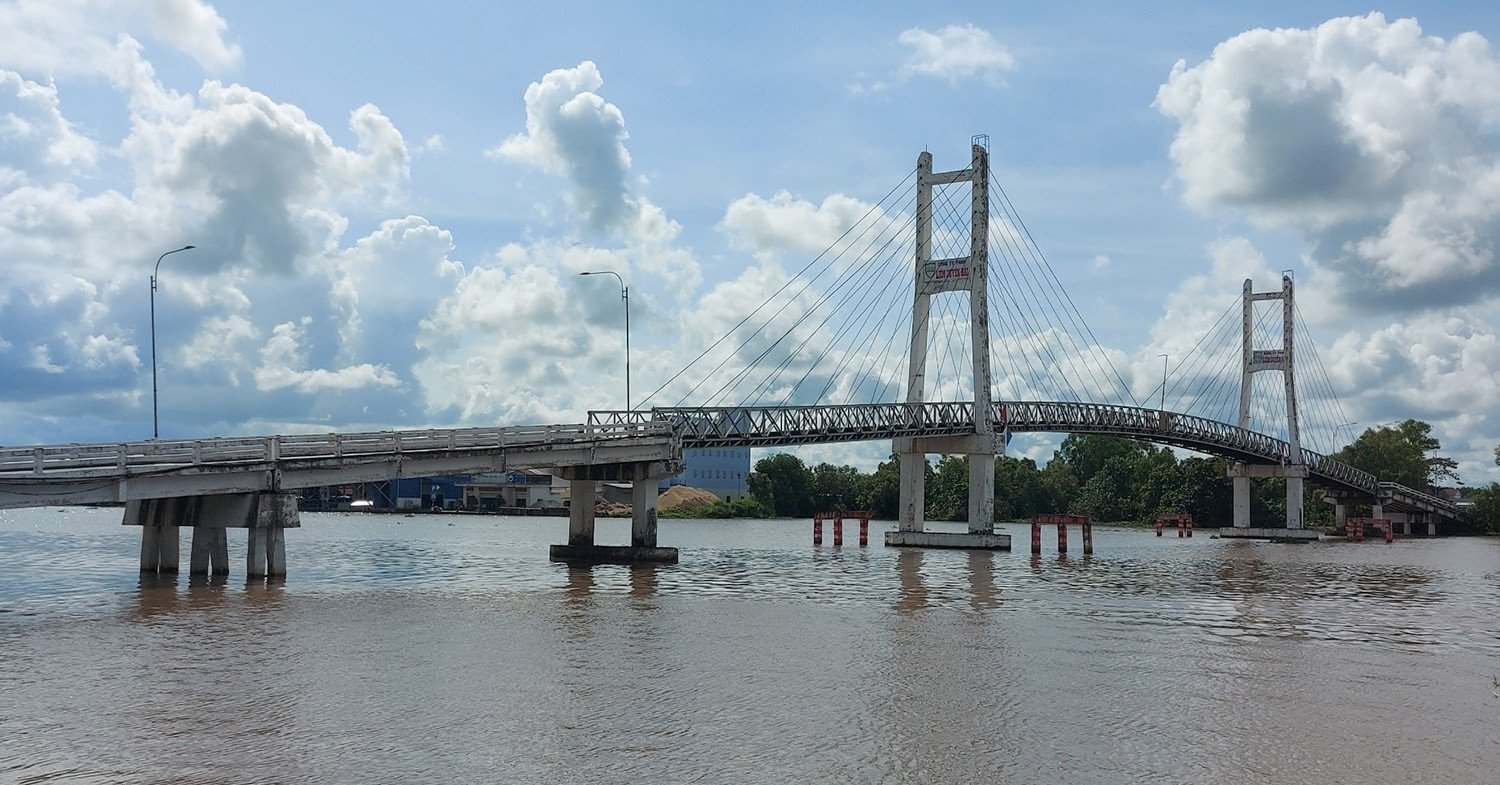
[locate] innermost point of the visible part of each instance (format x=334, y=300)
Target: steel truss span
x=765, y=426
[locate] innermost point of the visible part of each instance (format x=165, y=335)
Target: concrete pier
x=987, y=541
x=266, y=516
x=1271, y=533
x=210, y=551
x=643, y=478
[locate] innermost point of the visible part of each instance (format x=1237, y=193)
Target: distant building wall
x=722, y=471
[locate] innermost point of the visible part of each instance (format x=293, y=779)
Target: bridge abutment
x=643, y=478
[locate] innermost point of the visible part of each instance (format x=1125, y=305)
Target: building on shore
x=520, y=488
x=724, y=471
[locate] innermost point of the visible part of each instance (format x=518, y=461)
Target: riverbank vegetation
x=1108, y=479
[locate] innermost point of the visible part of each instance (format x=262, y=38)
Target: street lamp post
x=1163, y=382
x=155, y=429
x=624, y=295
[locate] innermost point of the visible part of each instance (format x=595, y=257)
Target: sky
x=390, y=206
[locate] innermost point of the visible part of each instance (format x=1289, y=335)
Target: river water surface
x=447, y=649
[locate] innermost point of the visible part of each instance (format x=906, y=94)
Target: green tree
x=1019, y=491
x=835, y=487
x=1486, y=510
x=880, y=491
x=1205, y=492
x=948, y=489
x=783, y=483
x=1087, y=455
x=1400, y=454
x=1106, y=496
x=1059, y=486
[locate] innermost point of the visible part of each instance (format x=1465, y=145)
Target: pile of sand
x=683, y=497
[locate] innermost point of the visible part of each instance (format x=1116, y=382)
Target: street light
x=1163, y=382
x=624, y=295
x=155, y=430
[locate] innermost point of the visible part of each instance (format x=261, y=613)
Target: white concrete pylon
x=936, y=277
x=1254, y=361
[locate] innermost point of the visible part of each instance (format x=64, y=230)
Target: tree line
x=1106, y=478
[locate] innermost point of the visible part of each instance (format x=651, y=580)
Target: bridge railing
x=1400, y=493
x=103, y=459
x=784, y=425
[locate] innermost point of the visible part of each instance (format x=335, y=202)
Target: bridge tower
x=934, y=277
x=1253, y=361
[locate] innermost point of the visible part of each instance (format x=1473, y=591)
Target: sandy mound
x=683, y=497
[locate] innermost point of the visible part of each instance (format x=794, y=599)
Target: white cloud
x=509, y=345
x=784, y=224
x=99, y=351
x=1442, y=370
x=954, y=53
x=572, y=131
x=55, y=38
x=36, y=121
x=283, y=365
x=1376, y=142
x=41, y=360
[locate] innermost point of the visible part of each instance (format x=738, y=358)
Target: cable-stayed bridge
x=933, y=321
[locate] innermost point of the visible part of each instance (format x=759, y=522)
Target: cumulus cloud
x=1442, y=370
x=34, y=129
x=508, y=344
x=786, y=225
x=79, y=37
x=572, y=131
x=255, y=175
x=1374, y=141
x=283, y=365
x=954, y=53
x=261, y=189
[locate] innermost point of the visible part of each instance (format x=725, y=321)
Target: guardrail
x=785, y=425
x=98, y=459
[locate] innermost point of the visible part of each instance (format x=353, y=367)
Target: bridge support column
x=1292, y=531
x=210, y=551
x=643, y=495
x=1241, y=483
x=159, y=548
x=1293, y=501
x=964, y=275
x=912, y=513
x=581, y=500
x=1340, y=516
x=265, y=515
x=982, y=493
x=980, y=449
x=643, y=478
x=266, y=554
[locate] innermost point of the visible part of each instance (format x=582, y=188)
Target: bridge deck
x=93, y=473
x=89, y=473
x=754, y=426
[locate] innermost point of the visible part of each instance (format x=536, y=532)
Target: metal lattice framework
x=792, y=425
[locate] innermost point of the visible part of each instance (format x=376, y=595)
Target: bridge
x=945, y=246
